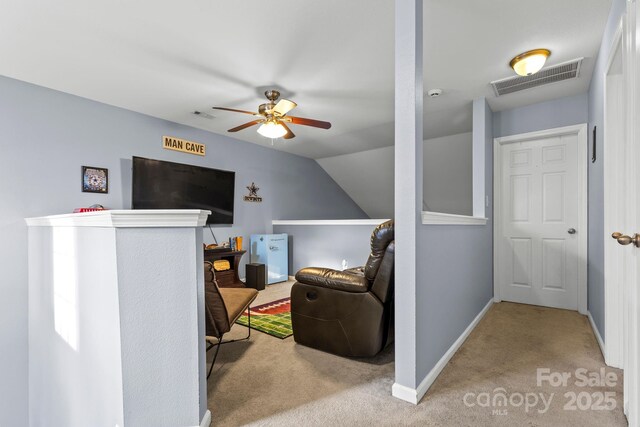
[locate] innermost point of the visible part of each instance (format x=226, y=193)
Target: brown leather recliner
x=348, y=313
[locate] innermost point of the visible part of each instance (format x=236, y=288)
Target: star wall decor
x=253, y=194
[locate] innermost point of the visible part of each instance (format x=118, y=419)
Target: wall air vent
x=557, y=73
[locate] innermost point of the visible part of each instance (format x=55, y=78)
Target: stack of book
x=235, y=243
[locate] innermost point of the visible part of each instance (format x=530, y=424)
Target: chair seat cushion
x=237, y=300
x=333, y=279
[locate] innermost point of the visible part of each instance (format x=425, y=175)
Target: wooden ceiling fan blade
x=246, y=125
x=289, y=134
x=284, y=106
x=234, y=110
x=309, y=122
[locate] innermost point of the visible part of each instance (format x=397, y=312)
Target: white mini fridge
x=272, y=251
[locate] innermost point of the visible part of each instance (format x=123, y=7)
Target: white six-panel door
x=540, y=218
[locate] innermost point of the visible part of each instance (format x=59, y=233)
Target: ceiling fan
x=273, y=118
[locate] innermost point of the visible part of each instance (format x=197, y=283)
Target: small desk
x=227, y=278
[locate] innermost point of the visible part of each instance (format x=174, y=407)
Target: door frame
x=581, y=132
x=612, y=194
x=631, y=394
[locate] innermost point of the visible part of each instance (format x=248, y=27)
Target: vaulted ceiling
x=334, y=58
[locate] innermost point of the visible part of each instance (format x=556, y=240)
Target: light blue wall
x=596, y=172
x=455, y=273
x=326, y=245
x=46, y=136
x=560, y=112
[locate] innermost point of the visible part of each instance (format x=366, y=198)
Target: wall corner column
x=482, y=150
x=408, y=188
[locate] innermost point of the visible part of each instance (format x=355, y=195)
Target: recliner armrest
x=359, y=271
x=333, y=279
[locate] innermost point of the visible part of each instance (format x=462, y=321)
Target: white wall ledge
x=439, y=218
x=329, y=222
x=139, y=218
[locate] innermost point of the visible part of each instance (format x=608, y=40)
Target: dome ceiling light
x=272, y=129
x=529, y=63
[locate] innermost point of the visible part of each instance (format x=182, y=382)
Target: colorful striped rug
x=273, y=318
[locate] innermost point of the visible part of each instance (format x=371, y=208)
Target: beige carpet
x=273, y=382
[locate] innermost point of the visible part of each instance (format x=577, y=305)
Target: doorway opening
x=540, y=233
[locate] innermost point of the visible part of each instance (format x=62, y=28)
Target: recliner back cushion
x=382, y=286
x=380, y=239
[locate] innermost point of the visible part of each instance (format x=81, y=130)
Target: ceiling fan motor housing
x=265, y=109
x=272, y=95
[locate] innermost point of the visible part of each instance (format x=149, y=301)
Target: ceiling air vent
x=557, y=73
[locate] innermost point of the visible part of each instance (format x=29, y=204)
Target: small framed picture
x=95, y=180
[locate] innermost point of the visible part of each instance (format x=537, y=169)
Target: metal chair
x=223, y=306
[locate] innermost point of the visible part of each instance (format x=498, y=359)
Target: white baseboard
x=206, y=420
x=404, y=393
x=596, y=332
x=414, y=396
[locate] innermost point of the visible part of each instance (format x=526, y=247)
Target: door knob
x=626, y=240
x=571, y=231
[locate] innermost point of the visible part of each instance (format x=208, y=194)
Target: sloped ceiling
x=368, y=177
x=334, y=58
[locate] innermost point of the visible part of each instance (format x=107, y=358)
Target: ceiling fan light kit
x=273, y=118
x=272, y=130
x=530, y=62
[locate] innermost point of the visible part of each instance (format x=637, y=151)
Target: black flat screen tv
x=166, y=185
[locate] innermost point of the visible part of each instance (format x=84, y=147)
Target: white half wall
x=116, y=319
x=327, y=243
x=74, y=328
x=367, y=176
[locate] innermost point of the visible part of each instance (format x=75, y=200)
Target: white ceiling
x=334, y=58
